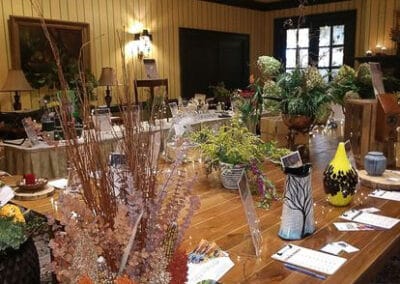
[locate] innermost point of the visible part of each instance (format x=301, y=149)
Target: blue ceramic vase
x=375, y=163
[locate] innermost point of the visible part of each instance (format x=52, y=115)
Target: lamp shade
x=16, y=81
x=108, y=77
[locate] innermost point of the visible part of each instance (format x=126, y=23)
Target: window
x=297, y=44
x=330, y=49
x=324, y=40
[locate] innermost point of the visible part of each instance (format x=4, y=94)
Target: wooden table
x=221, y=219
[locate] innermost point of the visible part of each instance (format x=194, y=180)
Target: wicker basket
x=20, y=266
x=230, y=175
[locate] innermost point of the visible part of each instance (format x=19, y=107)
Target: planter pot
x=297, y=122
x=20, y=266
x=230, y=175
x=375, y=163
x=297, y=219
x=340, y=179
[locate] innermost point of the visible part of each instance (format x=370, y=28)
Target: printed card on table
x=310, y=259
x=370, y=219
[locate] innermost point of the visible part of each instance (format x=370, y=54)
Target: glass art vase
x=297, y=219
x=340, y=178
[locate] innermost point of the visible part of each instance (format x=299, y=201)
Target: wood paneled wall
x=163, y=18
x=375, y=18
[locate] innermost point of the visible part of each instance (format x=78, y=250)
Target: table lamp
x=108, y=78
x=16, y=82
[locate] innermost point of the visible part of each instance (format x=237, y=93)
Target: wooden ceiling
x=268, y=5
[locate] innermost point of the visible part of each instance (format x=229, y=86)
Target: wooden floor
x=222, y=219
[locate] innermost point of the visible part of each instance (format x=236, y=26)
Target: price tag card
x=311, y=259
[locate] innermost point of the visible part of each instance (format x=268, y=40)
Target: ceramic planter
x=297, y=122
x=340, y=179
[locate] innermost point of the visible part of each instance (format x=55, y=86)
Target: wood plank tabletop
x=221, y=218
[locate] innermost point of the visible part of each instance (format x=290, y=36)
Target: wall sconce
x=143, y=43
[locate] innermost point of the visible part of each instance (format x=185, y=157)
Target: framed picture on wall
x=31, y=52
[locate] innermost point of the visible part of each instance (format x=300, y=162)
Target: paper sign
x=352, y=226
x=212, y=269
x=311, y=259
x=30, y=131
x=251, y=215
x=6, y=194
x=370, y=219
x=384, y=194
x=337, y=247
x=291, y=160
x=151, y=68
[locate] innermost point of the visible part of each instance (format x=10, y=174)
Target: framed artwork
x=31, y=52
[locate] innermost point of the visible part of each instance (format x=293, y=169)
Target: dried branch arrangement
x=127, y=236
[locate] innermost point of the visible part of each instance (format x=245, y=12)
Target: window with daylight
x=324, y=40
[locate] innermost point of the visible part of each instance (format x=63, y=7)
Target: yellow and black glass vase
x=340, y=179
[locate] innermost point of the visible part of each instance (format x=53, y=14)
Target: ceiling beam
x=255, y=5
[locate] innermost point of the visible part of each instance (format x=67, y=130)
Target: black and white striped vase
x=297, y=219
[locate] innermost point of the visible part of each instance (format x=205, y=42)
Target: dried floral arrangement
x=130, y=236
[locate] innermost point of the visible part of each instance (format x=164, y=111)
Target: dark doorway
x=209, y=57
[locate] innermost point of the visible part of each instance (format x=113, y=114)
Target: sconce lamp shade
x=16, y=81
x=108, y=77
x=144, y=33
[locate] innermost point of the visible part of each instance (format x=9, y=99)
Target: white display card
x=370, y=219
x=384, y=194
x=212, y=269
x=6, y=194
x=352, y=226
x=310, y=259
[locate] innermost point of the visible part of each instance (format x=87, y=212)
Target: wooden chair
x=151, y=84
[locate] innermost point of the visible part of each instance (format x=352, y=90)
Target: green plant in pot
x=252, y=107
x=230, y=150
x=221, y=94
x=303, y=92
